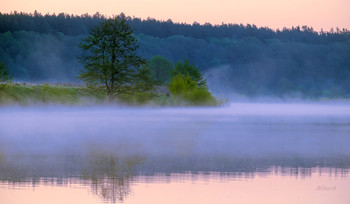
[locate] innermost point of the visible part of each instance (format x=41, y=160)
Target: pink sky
x=272, y=13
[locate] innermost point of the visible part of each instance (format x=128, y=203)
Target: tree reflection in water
x=108, y=174
x=111, y=175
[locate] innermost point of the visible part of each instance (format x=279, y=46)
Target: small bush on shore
x=184, y=88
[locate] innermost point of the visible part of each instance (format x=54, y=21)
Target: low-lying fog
x=242, y=130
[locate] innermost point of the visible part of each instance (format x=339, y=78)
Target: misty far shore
x=27, y=94
x=235, y=59
x=76, y=94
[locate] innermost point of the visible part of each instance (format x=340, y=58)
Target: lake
x=243, y=153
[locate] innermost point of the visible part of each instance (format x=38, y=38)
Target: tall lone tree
x=111, y=61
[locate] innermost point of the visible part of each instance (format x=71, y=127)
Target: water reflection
x=276, y=185
x=111, y=175
x=98, y=166
x=108, y=175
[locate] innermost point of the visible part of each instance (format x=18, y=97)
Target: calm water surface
x=245, y=153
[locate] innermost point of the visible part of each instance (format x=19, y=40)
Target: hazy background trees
x=234, y=58
x=160, y=69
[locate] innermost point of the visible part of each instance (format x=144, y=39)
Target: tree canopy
x=111, y=60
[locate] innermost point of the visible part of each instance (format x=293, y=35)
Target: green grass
x=13, y=93
x=25, y=94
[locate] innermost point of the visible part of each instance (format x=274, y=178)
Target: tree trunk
x=110, y=92
x=110, y=97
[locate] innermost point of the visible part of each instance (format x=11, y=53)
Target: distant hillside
x=235, y=58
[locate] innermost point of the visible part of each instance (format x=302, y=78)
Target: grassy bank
x=27, y=94
x=24, y=94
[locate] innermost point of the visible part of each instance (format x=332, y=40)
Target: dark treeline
x=234, y=57
x=77, y=25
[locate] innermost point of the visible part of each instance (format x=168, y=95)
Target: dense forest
x=234, y=58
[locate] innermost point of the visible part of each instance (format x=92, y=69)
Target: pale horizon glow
x=320, y=14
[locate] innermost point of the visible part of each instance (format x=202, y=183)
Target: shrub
x=183, y=87
x=181, y=84
x=200, y=96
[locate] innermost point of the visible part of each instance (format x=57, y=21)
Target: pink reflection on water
x=278, y=185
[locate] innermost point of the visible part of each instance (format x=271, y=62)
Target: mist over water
x=242, y=130
x=116, y=150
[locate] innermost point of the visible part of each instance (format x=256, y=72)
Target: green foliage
x=24, y=94
x=160, y=69
x=188, y=84
x=185, y=88
x=200, y=96
x=186, y=69
x=4, y=74
x=142, y=80
x=112, y=61
x=180, y=84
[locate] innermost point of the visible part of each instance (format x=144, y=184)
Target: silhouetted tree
x=111, y=60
